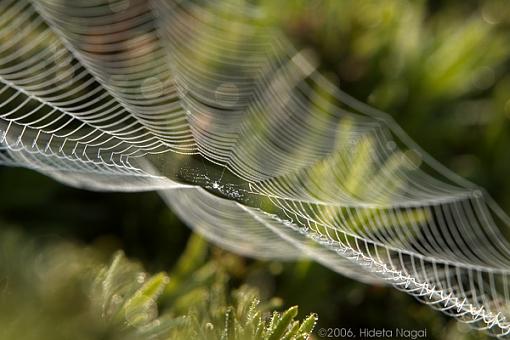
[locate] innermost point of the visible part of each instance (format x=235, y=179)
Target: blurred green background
x=441, y=68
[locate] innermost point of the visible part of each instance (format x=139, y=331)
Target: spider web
x=248, y=143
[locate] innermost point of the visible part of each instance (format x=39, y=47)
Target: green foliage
x=63, y=291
